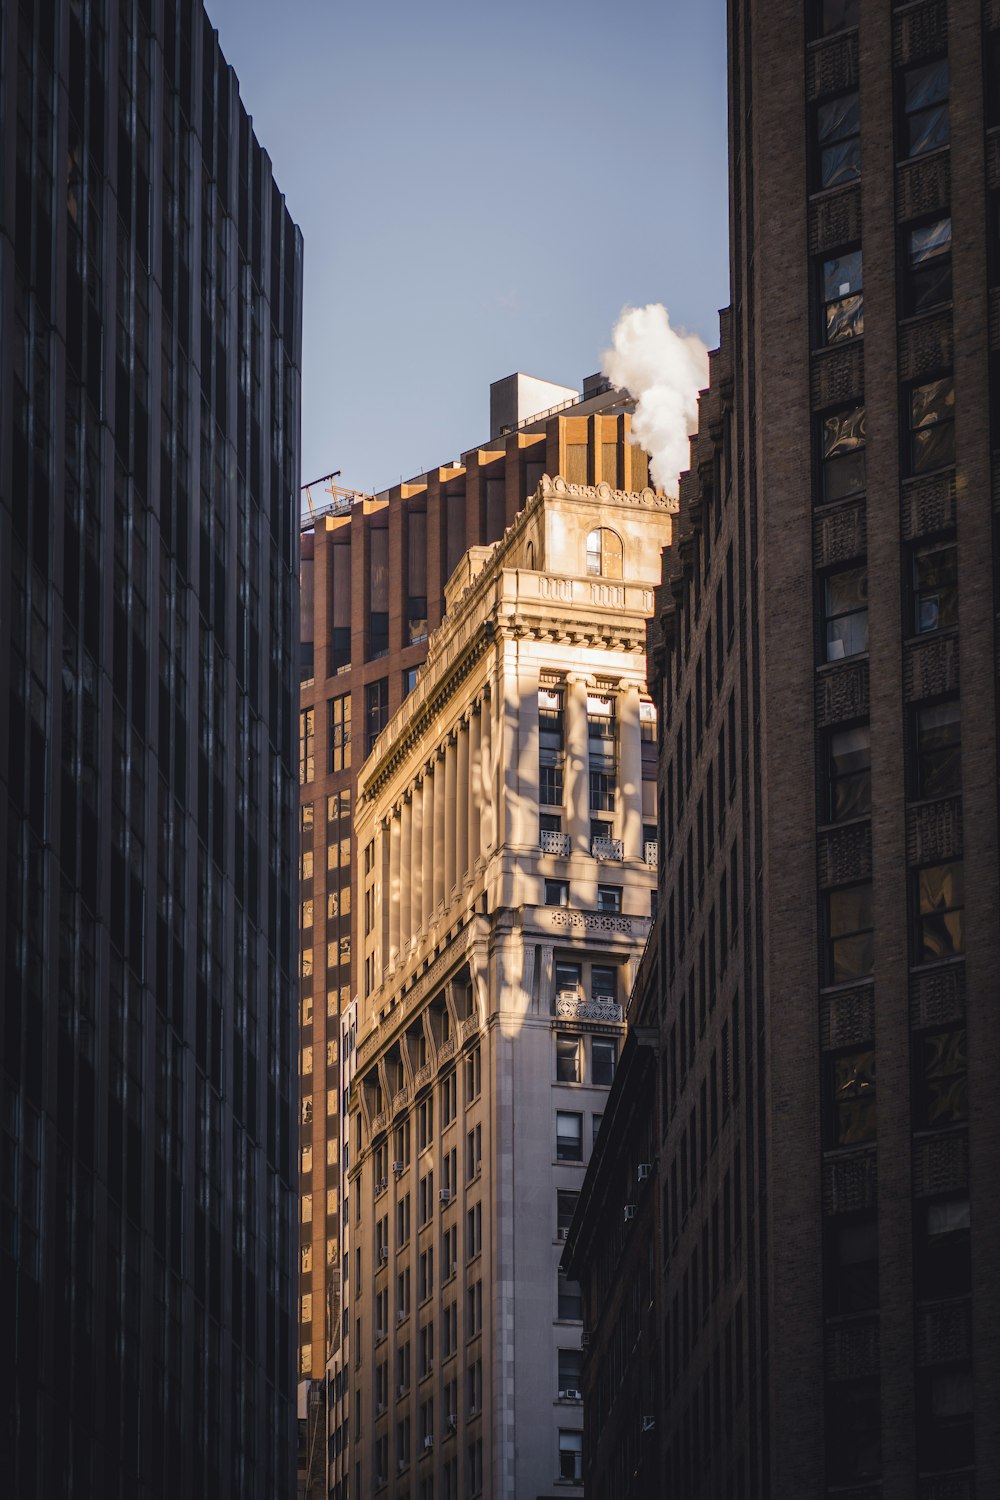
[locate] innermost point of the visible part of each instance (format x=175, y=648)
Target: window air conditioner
x=399, y=1168
x=629, y=1211
x=645, y=1170
x=400, y=1391
x=400, y=1314
x=383, y=1254
x=454, y=1268
x=561, y=1232
x=573, y=1396
x=381, y=1185
x=648, y=1423
x=452, y=1421
x=585, y=1340
x=428, y=1441
x=445, y=1195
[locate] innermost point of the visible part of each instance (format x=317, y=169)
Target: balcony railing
x=422, y=1076
x=400, y=1099
x=649, y=850
x=446, y=1049
x=468, y=1027
x=571, y=1007
x=607, y=848
x=554, y=843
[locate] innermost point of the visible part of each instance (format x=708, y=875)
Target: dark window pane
x=935, y=586
x=939, y=750
x=925, y=108
x=941, y=1093
x=853, y=1431
x=838, y=124
x=940, y=911
x=843, y=453
x=843, y=304
x=928, y=268
x=852, y=1265
x=932, y=425
x=850, y=939
x=835, y=15
x=852, y=1088
x=846, y=599
x=850, y=773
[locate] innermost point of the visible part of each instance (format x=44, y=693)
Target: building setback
x=829, y=946
x=507, y=838
x=150, y=287
x=373, y=576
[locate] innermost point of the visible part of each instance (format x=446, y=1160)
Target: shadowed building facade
x=506, y=832
x=150, y=296
x=829, y=1142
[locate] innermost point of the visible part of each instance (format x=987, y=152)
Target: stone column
x=437, y=837
x=405, y=873
x=450, y=817
x=394, y=886
x=427, y=853
x=577, y=762
x=416, y=860
x=462, y=862
x=475, y=787
x=630, y=769
x=486, y=823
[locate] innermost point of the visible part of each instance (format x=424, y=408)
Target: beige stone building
x=506, y=828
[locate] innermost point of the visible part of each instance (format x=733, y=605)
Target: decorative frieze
x=575, y=1008
x=844, y=855
x=832, y=67
x=850, y=1182
x=919, y=32
x=930, y=668
x=852, y=1350
x=926, y=347
x=841, y=693
x=835, y=220
x=928, y=505
x=944, y=1333
x=937, y=995
x=934, y=831
x=840, y=534
x=923, y=187
x=940, y=1164
x=847, y=1016
x=837, y=377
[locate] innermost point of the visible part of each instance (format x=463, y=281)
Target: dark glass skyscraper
x=150, y=304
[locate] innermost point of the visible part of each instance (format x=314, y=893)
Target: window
x=842, y=305
x=409, y=680
x=473, y=1075
x=567, y=1058
x=940, y=1094
x=938, y=759
x=852, y=1097
x=935, y=587
x=604, y=553
x=603, y=1057
x=557, y=893
x=425, y=1274
x=569, y=1136
x=307, y=745
x=376, y=711
x=943, y=1264
x=853, y=1430
x=940, y=907
x=842, y=454
x=474, y=1310
x=570, y=1374
x=609, y=898
x=571, y=1456
x=567, y=977
x=850, y=938
x=416, y=585
x=595, y=1127
x=603, y=982
x=340, y=733
x=838, y=141
x=931, y=432
x=830, y=16
x=924, y=125
x=550, y=746
x=570, y=1300
x=473, y=1153
x=425, y=1199
x=602, y=795
x=845, y=597
x=852, y=1264
x=473, y=1231
x=378, y=591
x=449, y=1098
x=849, y=773
x=927, y=266
x=945, y=1419
x=565, y=1209
x=601, y=732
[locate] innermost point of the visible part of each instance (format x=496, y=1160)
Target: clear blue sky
x=481, y=189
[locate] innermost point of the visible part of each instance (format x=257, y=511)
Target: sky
x=481, y=188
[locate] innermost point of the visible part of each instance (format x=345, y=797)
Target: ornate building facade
x=506, y=827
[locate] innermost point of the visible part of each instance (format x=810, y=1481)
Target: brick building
x=829, y=1039
x=150, y=309
x=373, y=574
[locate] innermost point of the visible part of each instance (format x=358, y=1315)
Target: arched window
x=604, y=553
x=530, y=556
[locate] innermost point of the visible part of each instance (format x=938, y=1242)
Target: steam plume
x=663, y=370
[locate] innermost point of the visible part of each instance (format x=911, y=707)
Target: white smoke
x=663, y=370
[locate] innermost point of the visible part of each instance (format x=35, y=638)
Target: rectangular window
x=850, y=936
x=567, y=1058
x=849, y=773
x=940, y=906
x=567, y=977
x=307, y=745
x=852, y=1097
x=565, y=1209
x=473, y=1153
x=557, y=893
x=425, y=1124
x=409, y=680
x=943, y=1265
x=602, y=791
x=550, y=785
x=570, y=1374
x=940, y=1094
x=604, y=1055
x=378, y=591
x=416, y=576
x=340, y=732
x=570, y=1300
x=935, y=587
x=830, y=16
x=376, y=711
x=609, y=898
x=838, y=141
x=603, y=982
x=938, y=746
x=924, y=125
x=926, y=266
x=931, y=426
x=842, y=454
x=845, y=599
x=569, y=1136
x=473, y=1075
x=852, y=1264
x=571, y=1456
x=842, y=303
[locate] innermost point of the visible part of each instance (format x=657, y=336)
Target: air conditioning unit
x=383, y=1254
x=648, y=1423
x=428, y=1441
x=400, y=1314
x=445, y=1195
x=400, y=1391
x=381, y=1185
x=452, y=1421
x=454, y=1268
x=473, y=1410
x=561, y=1232
x=400, y=1465
x=629, y=1211
x=645, y=1170
x=574, y=1396
x=399, y=1168
x=585, y=1340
